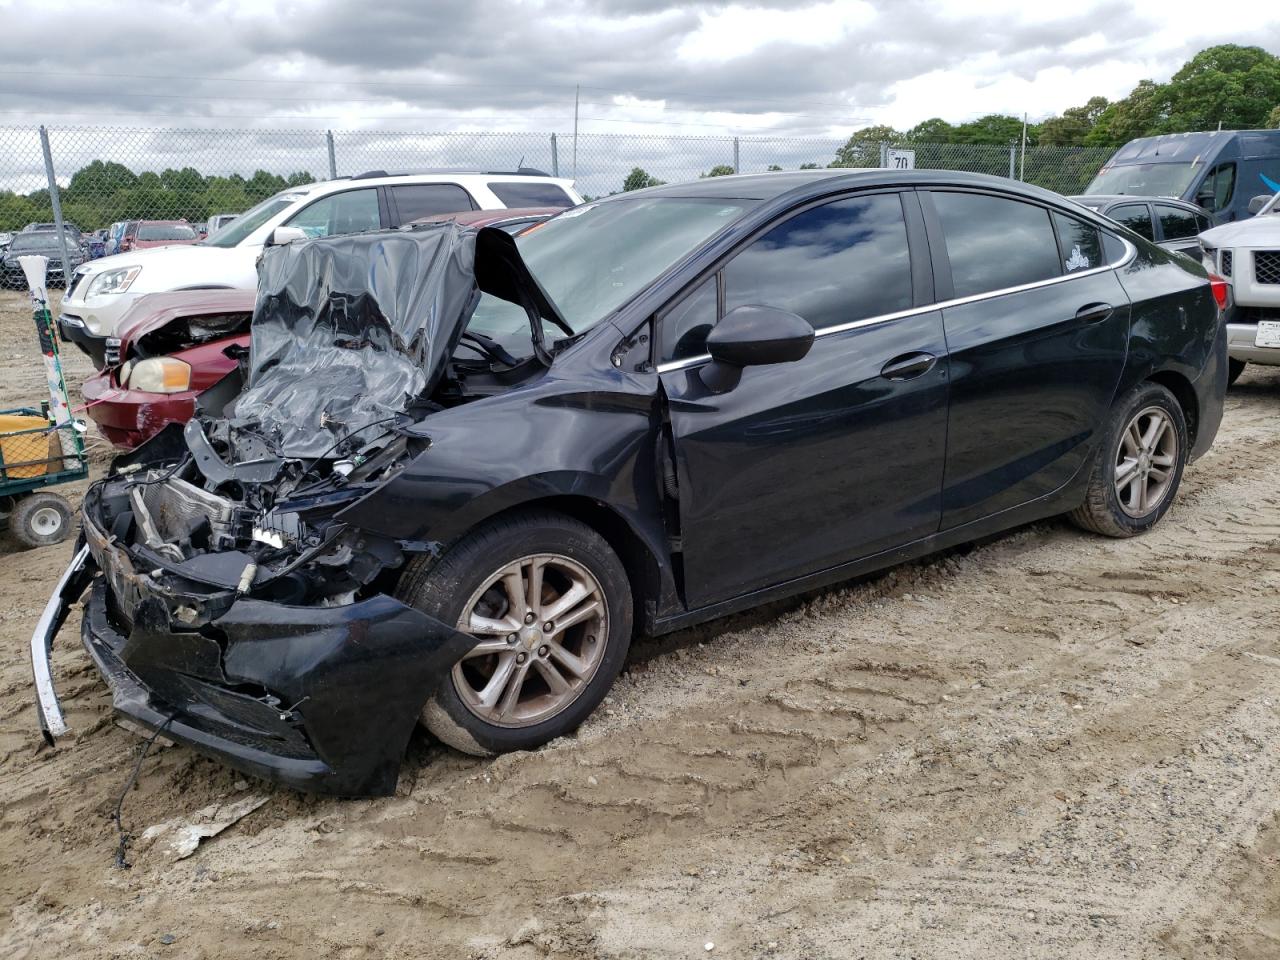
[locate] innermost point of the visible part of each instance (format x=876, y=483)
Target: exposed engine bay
x=353, y=341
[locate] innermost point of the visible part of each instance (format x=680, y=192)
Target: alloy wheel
x=1146, y=462
x=541, y=625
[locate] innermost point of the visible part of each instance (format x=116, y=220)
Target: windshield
x=36, y=241
x=1146, y=179
x=166, y=231
x=233, y=233
x=593, y=258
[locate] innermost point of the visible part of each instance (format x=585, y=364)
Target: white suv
x=102, y=290
x=1246, y=254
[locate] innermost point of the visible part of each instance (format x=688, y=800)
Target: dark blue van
x=1220, y=171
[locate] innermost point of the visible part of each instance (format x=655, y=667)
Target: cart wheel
x=40, y=520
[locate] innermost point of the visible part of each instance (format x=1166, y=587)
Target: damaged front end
x=229, y=601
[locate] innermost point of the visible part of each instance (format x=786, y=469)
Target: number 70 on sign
x=900, y=159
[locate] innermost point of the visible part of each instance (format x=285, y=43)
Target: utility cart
x=37, y=453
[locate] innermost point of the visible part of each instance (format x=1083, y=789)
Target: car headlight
x=157, y=375
x=112, y=281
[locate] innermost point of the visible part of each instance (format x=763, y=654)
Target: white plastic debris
x=182, y=836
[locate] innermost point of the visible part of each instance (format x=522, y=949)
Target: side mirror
x=281, y=235
x=753, y=335
x=1258, y=202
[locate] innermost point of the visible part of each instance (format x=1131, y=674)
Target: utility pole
x=576, y=91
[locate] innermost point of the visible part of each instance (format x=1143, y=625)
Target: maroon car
x=172, y=347
x=141, y=234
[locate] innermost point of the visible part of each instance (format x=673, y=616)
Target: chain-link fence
x=109, y=174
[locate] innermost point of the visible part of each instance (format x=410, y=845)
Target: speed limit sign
x=900, y=159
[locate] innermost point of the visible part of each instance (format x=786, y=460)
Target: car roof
x=1101, y=200
x=768, y=186
x=462, y=177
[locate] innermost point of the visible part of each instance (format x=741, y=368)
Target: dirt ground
x=1050, y=745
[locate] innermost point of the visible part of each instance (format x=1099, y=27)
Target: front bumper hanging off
x=321, y=699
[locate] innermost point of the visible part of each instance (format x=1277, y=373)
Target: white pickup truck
x=1246, y=253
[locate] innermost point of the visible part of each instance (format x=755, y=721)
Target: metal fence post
x=333, y=161
x=555, y=157
x=56, y=200
x=884, y=154
x=1013, y=152
x=735, y=155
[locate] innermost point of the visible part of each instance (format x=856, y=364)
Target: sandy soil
x=1050, y=745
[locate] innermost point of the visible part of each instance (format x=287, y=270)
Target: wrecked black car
x=457, y=470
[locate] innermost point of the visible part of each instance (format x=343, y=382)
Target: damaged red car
x=458, y=470
x=171, y=348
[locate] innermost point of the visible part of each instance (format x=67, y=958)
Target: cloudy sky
x=665, y=68
x=789, y=67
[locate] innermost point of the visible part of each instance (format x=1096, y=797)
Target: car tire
x=469, y=579
x=40, y=520
x=1134, y=479
x=1234, y=369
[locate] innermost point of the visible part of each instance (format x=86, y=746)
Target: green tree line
x=1227, y=86
x=104, y=192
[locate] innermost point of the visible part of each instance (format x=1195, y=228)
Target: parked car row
x=102, y=291
x=451, y=487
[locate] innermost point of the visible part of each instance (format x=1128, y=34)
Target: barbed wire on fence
x=109, y=174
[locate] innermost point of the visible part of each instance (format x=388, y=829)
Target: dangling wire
x=122, y=846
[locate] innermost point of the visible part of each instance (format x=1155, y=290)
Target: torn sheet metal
x=347, y=330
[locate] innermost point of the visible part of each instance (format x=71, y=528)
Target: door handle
x=1095, y=312
x=908, y=366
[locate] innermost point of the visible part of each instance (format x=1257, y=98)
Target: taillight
x=1219, y=288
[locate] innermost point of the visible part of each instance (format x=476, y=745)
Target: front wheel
x=549, y=605
x=1138, y=466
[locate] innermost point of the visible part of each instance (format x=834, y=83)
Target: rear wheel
x=1234, y=369
x=549, y=605
x=40, y=520
x=1138, y=467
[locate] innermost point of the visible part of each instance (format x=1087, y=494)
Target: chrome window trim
x=1130, y=251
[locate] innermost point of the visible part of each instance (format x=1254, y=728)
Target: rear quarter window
x=1079, y=244
x=515, y=194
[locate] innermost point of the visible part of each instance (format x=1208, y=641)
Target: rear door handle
x=908, y=366
x=1095, y=312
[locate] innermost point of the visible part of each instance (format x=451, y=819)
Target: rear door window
x=1135, y=216
x=516, y=194
x=995, y=243
x=350, y=212
x=1176, y=223
x=416, y=200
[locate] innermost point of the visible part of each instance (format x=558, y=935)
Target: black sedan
x=42, y=243
x=1173, y=224
x=454, y=487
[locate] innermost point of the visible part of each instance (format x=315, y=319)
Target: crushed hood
x=156, y=311
x=348, y=330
